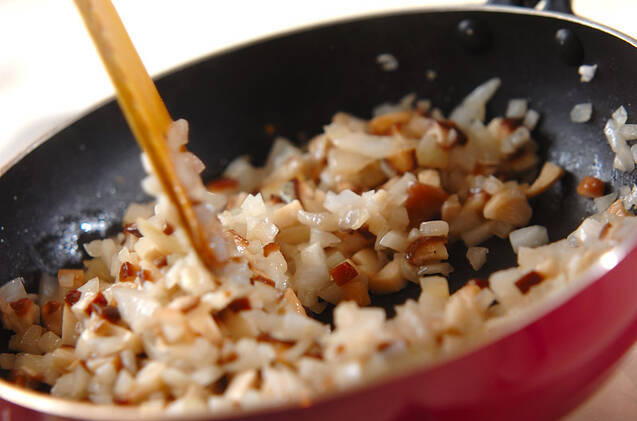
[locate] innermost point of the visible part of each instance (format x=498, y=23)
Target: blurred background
x=50, y=74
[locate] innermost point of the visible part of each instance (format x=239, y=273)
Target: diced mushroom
x=295, y=234
x=476, y=202
x=451, y=208
x=343, y=272
x=352, y=241
x=383, y=123
x=367, y=261
x=479, y=234
x=424, y=202
x=389, y=279
x=356, y=291
x=549, y=174
x=590, y=187
x=52, y=316
x=402, y=161
x=430, y=177
x=430, y=154
x=426, y=250
x=446, y=134
x=222, y=185
x=286, y=216
x=509, y=205
x=501, y=128
x=434, y=292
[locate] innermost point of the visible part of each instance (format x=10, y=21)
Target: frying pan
x=75, y=187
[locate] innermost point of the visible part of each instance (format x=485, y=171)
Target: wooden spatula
x=144, y=110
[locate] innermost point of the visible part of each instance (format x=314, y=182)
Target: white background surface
x=50, y=72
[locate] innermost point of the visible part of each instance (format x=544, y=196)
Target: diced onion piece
x=362, y=143
x=389, y=279
x=477, y=256
x=387, y=62
x=515, y=140
x=434, y=287
x=443, y=268
x=429, y=154
x=434, y=228
x=430, y=177
x=13, y=290
x=394, y=240
x=479, y=234
x=530, y=119
x=356, y=291
x=629, y=131
x=620, y=116
x=630, y=199
x=587, y=72
x=623, y=160
x=344, y=162
x=516, y=108
x=320, y=220
x=589, y=230
x=532, y=236
x=581, y=113
x=492, y=185
x=474, y=105
x=602, y=203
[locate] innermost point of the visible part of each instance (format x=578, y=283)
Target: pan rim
x=49, y=405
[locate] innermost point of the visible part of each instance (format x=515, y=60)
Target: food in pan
x=365, y=208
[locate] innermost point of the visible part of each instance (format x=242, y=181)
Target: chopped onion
x=629, y=199
x=602, y=203
x=387, y=62
x=587, y=72
x=516, y=108
x=477, y=256
x=530, y=119
x=434, y=268
x=135, y=306
x=620, y=116
x=581, y=113
x=473, y=106
x=629, y=131
x=588, y=231
x=531, y=236
x=434, y=228
x=515, y=140
x=13, y=290
x=48, y=288
x=623, y=159
x=362, y=143
x=320, y=220
x=492, y=185
x=394, y=240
